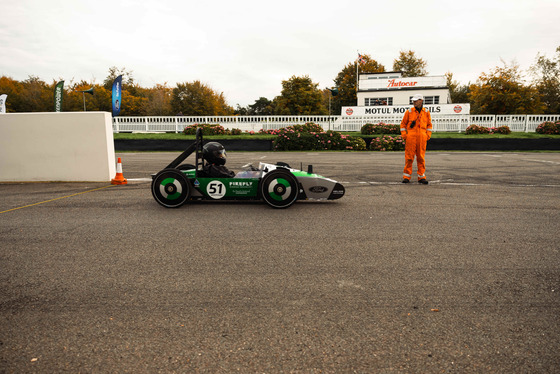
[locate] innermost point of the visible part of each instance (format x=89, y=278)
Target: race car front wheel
x=170, y=188
x=279, y=188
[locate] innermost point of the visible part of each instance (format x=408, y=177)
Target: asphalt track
x=462, y=275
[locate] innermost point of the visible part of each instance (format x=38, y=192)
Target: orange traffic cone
x=119, y=178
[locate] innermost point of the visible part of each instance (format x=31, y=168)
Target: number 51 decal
x=216, y=189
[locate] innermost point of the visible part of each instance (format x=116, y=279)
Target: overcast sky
x=246, y=48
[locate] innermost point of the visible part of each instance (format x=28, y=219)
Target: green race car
x=278, y=184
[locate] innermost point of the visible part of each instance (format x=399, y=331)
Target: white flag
x=3, y=103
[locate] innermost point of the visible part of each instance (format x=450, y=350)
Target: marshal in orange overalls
x=415, y=138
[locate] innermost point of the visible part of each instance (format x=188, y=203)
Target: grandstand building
x=391, y=88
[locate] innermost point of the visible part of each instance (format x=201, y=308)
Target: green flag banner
x=58, y=91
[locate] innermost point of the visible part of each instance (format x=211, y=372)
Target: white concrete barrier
x=67, y=146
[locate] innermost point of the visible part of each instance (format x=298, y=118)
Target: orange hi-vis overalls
x=415, y=140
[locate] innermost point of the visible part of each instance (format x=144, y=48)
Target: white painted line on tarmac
x=448, y=183
x=465, y=184
x=383, y=183
x=139, y=179
x=543, y=161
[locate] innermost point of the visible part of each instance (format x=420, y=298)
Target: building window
x=428, y=100
x=374, y=101
x=432, y=100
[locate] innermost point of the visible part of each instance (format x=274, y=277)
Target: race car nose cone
x=337, y=192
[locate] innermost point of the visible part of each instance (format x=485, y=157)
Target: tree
x=345, y=81
x=36, y=96
x=261, y=107
x=299, y=96
x=458, y=93
x=502, y=91
x=410, y=65
x=132, y=104
x=159, y=100
x=13, y=89
x=74, y=100
x=114, y=72
x=546, y=73
x=197, y=99
x=240, y=110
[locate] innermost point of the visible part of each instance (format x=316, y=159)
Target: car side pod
x=337, y=192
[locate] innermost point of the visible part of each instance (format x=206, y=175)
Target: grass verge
x=436, y=135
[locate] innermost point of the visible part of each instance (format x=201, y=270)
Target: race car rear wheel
x=171, y=188
x=279, y=188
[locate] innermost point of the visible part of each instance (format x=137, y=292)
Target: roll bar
x=194, y=147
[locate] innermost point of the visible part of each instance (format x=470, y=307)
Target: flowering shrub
x=356, y=143
x=207, y=129
x=308, y=127
x=474, y=130
x=380, y=128
x=500, y=130
x=210, y=130
x=298, y=138
x=308, y=137
x=549, y=128
x=387, y=143
x=269, y=132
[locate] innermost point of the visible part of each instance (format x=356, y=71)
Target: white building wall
x=400, y=89
x=402, y=97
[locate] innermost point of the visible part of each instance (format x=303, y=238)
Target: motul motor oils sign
x=446, y=109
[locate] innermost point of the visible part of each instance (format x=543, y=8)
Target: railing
x=441, y=123
x=245, y=123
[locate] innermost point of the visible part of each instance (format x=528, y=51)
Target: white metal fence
x=450, y=123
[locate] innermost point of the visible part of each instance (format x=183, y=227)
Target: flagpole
x=357, y=76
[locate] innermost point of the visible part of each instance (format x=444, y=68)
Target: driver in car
x=215, y=155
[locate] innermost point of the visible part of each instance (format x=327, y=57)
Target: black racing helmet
x=214, y=153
